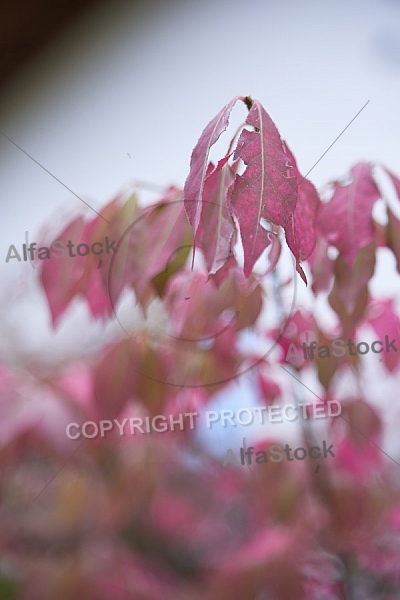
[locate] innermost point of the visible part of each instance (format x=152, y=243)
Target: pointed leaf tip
x=194, y=185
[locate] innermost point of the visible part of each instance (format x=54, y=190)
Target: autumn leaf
x=87, y=276
x=346, y=220
x=131, y=369
x=321, y=266
x=194, y=186
x=266, y=189
x=116, y=268
x=297, y=325
x=64, y=278
x=198, y=309
x=220, y=276
x=349, y=296
x=392, y=235
x=327, y=369
x=357, y=452
x=216, y=230
x=150, y=247
x=166, y=234
x=115, y=379
x=300, y=231
x=383, y=318
x=96, y=291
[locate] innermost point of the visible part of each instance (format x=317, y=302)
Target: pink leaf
x=300, y=231
x=346, y=220
x=216, y=227
x=296, y=327
x=349, y=295
x=321, y=266
x=392, y=230
x=167, y=237
x=188, y=303
x=97, y=297
x=194, y=186
x=266, y=189
x=62, y=278
x=358, y=453
x=268, y=388
x=116, y=268
x=115, y=379
x=273, y=258
x=392, y=236
x=386, y=323
x=220, y=276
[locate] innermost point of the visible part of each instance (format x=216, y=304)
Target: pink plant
x=153, y=517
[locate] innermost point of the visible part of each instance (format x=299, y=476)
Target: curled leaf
x=266, y=189
x=217, y=228
x=300, y=231
x=194, y=185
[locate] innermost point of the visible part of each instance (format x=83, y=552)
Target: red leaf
x=266, y=189
x=194, y=185
x=220, y=276
x=300, y=231
x=216, y=227
x=346, y=220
